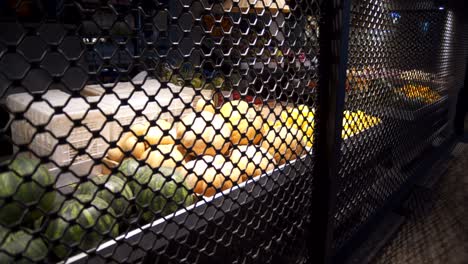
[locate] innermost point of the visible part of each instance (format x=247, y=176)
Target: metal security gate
x=402, y=73
x=157, y=131
x=213, y=131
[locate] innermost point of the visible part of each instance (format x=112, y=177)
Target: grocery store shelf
x=419, y=146
x=412, y=115
x=180, y=224
x=362, y=148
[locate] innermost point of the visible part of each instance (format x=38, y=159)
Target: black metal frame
x=333, y=57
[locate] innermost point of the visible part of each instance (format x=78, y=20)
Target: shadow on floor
x=436, y=229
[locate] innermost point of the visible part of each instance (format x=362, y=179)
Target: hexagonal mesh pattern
x=159, y=131
x=400, y=55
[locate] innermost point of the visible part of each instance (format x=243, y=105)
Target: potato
x=204, y=105
x=108, y=165
x=163, y=156
x=199, y=135
x=140, y=129
x=284, y=143
x=123, y=139
x=161, y=134
x=115, y=154
x=247, y=131
x=245, y=121
x=252, y=161
x=270, y=125
x=204, y=178
x=137, y=148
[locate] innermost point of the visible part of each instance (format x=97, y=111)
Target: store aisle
x=436, y=229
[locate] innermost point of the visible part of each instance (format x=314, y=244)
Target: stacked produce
x=25, y=196
x=84, y=221
x=91, y=214
x=21, y=243
x=217, y=166
x=26, y=183
x=357, y=122
x=357, y=80
x=302, y=117
x=419, y=93
x=148, y=143
x=416, y=75
x=210, y=174
x=219, y=147
x=155, y=169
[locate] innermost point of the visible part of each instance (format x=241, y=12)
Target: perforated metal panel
x=157, y=131
x=401, y=56
x=185, y=130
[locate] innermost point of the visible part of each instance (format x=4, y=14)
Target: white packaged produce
x=174, y=97
x=151, y=99
x=69, y=119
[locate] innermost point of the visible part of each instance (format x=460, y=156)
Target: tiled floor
x=436, y=231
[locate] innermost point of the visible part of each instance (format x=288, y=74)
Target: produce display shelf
x=360, y=97
x=346, y=217
x=413, y=115
x=178, y=225
x=361, y=205
x=416, y=149
x=361, y=149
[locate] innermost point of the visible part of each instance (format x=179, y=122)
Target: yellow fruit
x=209, y=175
x=245, y=121
x=200, y=135
x=285, y=118
x=161, y=133
x=297, y=115
x=361, y=114
x=285, y=144
x=247, y=131
x=309, y=135
x=252, y=161
x=354, y=123
x=163, y=156
x=308, y=129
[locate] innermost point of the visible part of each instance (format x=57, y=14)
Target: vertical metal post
x=334, y=35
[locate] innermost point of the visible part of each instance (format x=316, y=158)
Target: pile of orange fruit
x=421, y=92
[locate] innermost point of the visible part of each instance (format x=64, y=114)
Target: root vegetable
x=137, y=148
x=140, y=129
x=284, y=143
x=160, y=134
x=207, y=134
x=204, y=105
x=252, y=161
x=163, y=156
x=209, y=175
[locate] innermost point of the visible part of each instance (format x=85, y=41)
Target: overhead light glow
x=441, y=8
